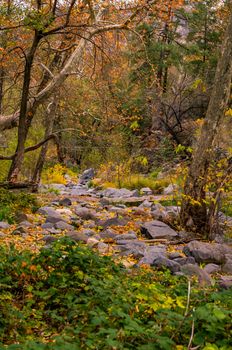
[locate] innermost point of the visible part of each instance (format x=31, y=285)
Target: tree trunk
x=194, y=211
x=24, y=115
x=49, y=120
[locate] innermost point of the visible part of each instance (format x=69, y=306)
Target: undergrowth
x=67, y=297
x=12, y=203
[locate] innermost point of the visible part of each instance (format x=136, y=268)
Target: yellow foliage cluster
x=56, y=174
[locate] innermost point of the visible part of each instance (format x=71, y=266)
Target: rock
x=102, y=248
x=157, y=229
x=118, y=193
x=227, y=267
x=195, y=270
x=64, y=211
x=92, y=242
x=151, y=253
x=26, y=224
x=174, y=255
x=207, y=252
x=112, y=222
x=212, y=268
x=79, y=191
x=47, y=225
x=86, y=176
x=46, y=211
x=125, y=236
x=146, y=191
x=63, y=226
x=183, y=261
x=53, y=231
x=49, y=239
x=66, y=202
x=145, y=204
x=88, y=233
x=159, y=214
x=89, y=224
x=54, y=218
x=4, y=225
x=170, y=189
x=110, y=234
x=225, y=282
x=77, y=236
x=85, y=213
x=20, y=230
x=162, y=261
x=19, y=217
x=136, y=249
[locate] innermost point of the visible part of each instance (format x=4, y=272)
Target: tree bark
x=50, y=118
x=194, y=210
x=24, y=115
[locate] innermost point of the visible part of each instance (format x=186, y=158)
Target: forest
x=116, y=174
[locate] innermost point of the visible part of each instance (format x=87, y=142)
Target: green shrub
x=14, y=202
x=67, y=297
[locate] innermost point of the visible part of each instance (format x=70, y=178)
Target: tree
x=194, y=208
x=45, y=20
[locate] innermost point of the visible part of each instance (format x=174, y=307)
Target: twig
x=191, y=337
x=188, y=298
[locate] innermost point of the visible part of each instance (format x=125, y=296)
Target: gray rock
x=4, y=225
x=145, y=204
x=146, y=191
x=46, y=211
x=136, y=249
x=183, y=261
x=86, y=176
x=111, y=234
x=19, y=217
x=92, y=242
x=66, y=202
x=47, y=225
x=26, y=224
x=162, y=261
x=225, y=282
x=85, y=213
x=174, y=255
x=112, y=222
x=89, y=233
x=212, y=268
x=77, y=236
x=79, y=192
x=157, y=229
x=89, y=224
x=53, y=231
x=207, y=252
x=151, y=253
x=125, y=236
x=118, y=193
x=63, y=226
x=170, y=189
x=102, y=248
x=195, y=270
x=49, y=239
x=54, y=218
x=227, y=267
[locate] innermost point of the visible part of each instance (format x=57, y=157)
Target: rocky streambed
x=131, y=227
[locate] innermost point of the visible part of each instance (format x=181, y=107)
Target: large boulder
x=86, y=176
x=195, y=270
x=208, y=252
x=157, y=229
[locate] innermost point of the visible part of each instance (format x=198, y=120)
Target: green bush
x=13, y=202
x=67, y=297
